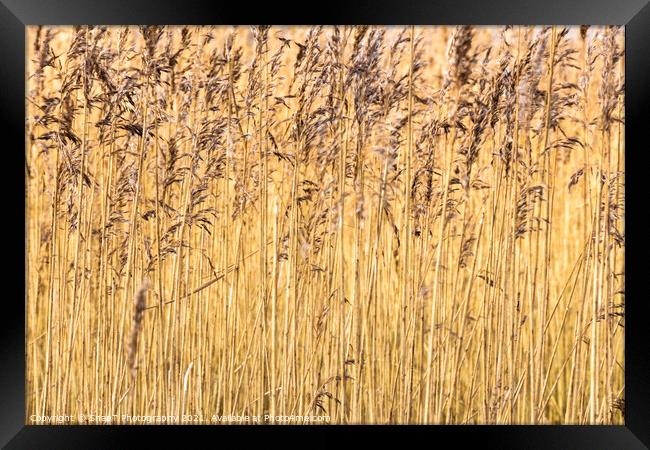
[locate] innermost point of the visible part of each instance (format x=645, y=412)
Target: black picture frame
x=15, y=15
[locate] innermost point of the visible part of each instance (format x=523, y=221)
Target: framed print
x=410, y=218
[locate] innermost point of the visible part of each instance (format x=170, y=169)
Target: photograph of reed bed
x=325, y=224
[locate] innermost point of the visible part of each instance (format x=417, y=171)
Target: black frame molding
x=15, y=15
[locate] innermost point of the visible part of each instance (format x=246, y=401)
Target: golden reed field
x=325, y=225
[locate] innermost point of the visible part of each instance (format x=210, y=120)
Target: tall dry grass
x=375, y=224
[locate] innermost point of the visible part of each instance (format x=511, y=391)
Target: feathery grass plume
x=611, y=88
x=461, y=59
x=139, y=305
x=369, y=224
x=530, y=74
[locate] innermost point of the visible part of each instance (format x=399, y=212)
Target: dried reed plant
x=373, y=224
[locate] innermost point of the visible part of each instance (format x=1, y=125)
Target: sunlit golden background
x=368, y=224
